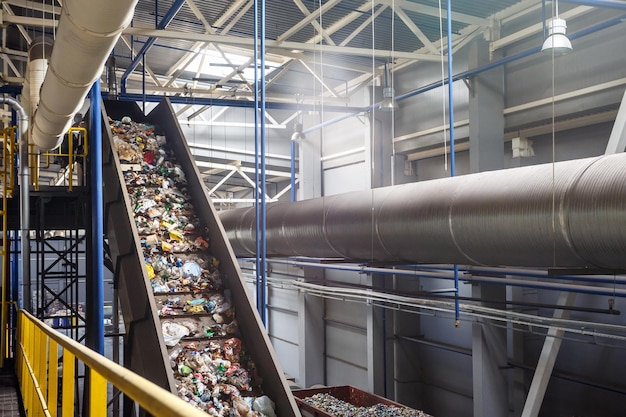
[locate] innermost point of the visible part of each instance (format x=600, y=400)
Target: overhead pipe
x=468, y=275
x=22, y=141
x=491, y=218
x=87, y=33
x=39, y=53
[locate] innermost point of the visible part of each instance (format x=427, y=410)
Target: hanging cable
x=443, y=92
x=555, y=10
x=393, y=88
x=457, y=313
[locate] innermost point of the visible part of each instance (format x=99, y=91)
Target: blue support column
x=452, y=155
x=94, y=333
x=169, y=16
x=259, y=155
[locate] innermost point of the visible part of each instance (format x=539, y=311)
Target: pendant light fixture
x=298, y=135
x=389, y=102
x=557, y=41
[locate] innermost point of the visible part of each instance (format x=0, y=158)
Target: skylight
x=211, y=66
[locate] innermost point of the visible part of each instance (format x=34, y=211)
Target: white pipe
x=88, y=31
x=38, y=55
x=22, y=140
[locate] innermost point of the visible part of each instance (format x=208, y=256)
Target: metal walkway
x=9, y=397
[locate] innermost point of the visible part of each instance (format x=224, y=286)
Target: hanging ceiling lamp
x=389, y=102
x=557, y=41
x=298, y=135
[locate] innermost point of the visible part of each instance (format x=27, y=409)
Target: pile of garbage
x=340, y=408
x=210, y=363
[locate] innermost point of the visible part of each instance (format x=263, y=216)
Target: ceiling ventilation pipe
x=515, y=217
x=38, y=56
x=88, y=31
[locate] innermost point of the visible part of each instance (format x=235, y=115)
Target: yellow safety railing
x=39, y=347
x=71, y=154
x=6, y=176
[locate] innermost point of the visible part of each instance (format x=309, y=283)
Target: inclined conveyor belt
x=176, y=273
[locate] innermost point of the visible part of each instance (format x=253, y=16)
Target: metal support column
x=311, y=333
x=489, y=358
x=486, y=106
x=376, y=342
x=617, y=140
x=547, y=359
x=94, y=336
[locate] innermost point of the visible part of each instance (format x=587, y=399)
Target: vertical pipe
x=257, y=208
x=143, y=82
x=293, y=171
x=452, y=155
x=22, y=142
x=94, y=334
x=263, y=176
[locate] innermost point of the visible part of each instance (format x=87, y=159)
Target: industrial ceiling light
x=298, y=135
x=389, y=102
x=557, y=41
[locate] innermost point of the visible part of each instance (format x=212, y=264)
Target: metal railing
x=41, y=348
x=7, y=139
x=76, y=152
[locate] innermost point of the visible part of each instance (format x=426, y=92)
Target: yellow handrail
x=71, y=155
x=7, y=164
x=37, y=353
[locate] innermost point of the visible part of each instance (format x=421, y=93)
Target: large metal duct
x=570, y=214
x=88, y=31
x=38, y=55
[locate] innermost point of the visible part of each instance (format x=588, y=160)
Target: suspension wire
x=443, y=92
x=393, y=110
x=373, y=131
x=553, y=151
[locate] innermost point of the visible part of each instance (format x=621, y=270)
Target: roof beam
x=271, y=44
x=341, y=23
x=308, y=19
x=314, y=22
x=535, y=29
x=21, y=28
x=363, y=25
x=416, y=31
x=434, y=11
x=167, y=18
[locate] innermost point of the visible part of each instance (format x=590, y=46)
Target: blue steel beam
x=599, y=3
x=239, y=103
x=169, y=16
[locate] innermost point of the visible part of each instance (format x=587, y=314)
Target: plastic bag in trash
x=264, y=405
x=173, y=332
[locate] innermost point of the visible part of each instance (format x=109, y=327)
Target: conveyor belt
x=145, y=304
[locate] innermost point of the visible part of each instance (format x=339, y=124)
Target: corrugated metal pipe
x=568, y=214
x=88, y=31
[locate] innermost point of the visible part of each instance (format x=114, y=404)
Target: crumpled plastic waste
x=173, y=332
x=212, y=369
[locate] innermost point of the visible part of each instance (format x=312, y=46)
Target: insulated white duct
x=38, y=56
x=88, y=31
